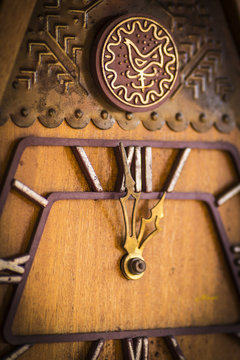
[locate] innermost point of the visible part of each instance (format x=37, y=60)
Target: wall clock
x=120, y=184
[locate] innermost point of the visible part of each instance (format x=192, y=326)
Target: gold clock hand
x=130, y=243
x=133, y=264
x=156, y=215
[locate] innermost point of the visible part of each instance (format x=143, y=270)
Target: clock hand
x=133, y=264
x=156, y=215
x=130, y=243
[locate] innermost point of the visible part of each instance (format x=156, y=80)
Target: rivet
x=129, y=115
x=24, y=112
x=202, y=118
x=75, y=20
x=226, y=119
x=179, y=116
x=51, y=112
x=78, y=113
x=15, y=84
x=154, y=115
x=104, y=114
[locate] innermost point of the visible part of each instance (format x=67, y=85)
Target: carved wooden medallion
x=136, y=63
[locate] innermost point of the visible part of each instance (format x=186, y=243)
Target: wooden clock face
x=119, y=201
x=166, y=273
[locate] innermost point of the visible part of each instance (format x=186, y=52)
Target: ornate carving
x=200, y=55
x=136, y=63
x=52, y=80
x=84, y=12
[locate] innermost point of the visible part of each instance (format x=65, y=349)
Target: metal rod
x=10, y=279
x=178, y=167
x=95, y=350
x=174, y=348
x=30, y=193
x=87, y=168
x=15, y=354
x=228, y=195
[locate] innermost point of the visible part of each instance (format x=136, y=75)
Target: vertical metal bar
x=138, y=169
x=135, y=349
x=147, y=168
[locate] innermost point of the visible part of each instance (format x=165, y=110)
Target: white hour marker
x=228, y=195
x=30, y=193
x=137, y=351
x=174, y=348
x=15, y=354
x=178, y=167
x=138, y=169
x=15, y=266
x=147, y=159
x=87, y=169
x=95, y=350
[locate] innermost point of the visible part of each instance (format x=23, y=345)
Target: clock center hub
x=136, y=266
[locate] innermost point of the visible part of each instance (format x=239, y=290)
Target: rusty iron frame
x=207, y=198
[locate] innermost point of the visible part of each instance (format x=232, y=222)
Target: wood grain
x=75, y=283
x=14, y=19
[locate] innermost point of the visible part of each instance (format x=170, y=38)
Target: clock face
x=131, y=186
x=119, y=199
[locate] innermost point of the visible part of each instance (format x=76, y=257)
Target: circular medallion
x=136, y=63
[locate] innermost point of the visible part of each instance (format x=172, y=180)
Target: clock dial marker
x=147, y=168
x=136, y=349
x=141, y=158
x=16, y=266
x=87, y=168
x=129, y=155
x=236, y=249
x=29, y=193
x=95, y=350
x=228, y=195
x=138, y=169
x=17, y=352
x=177, y=169
x=174, y=348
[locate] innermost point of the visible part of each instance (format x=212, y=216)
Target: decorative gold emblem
x=139, y=63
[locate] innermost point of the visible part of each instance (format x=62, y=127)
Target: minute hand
x=131, y=242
